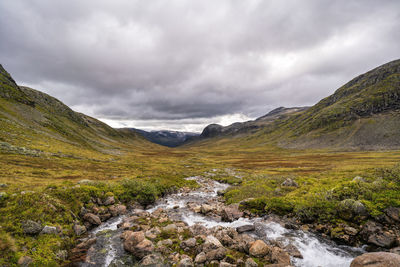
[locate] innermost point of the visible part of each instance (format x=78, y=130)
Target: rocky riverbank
x=195, y=228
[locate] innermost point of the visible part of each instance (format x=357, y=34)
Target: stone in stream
x=245, y=228
x=293, y=251
x=92, y=219
x=231, y=213
x=384, y=239
x=137, y=244
x=279, y=256
x=259, y=249
x=376, y=259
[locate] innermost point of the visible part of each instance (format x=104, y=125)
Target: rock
x=358, y=179
x=30, y=227
x=188, y=243
x=385, y=239
x=376, y=259
x=205, y=208
x=144, y=248
x=395, y=250
x=47, y=230
x=91, y=218
x=170, y=228
x=62, y=255
x=279, y=256
x=243, y=243
x=132, y=239
x=85, y=181
x=259, y=249
x=117, y=210
x=293, y=251
x=350, y=208
x=393, y=213
x=153, y=260
x=153, y=233
x=198, y=229
x=3, y=185
x=245, y=228
x=213, y=241
x=231, y=213
x=290, y=182
x=110, y=200
x=200, y=258
x=350, y=231
x=185, y=262
x=251, y=263
x=216, y=254
x=226, y=264
x=87, y=243
x=25, y=261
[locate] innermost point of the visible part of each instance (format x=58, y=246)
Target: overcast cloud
x=182, y=64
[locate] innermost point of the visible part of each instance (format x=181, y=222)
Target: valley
x=330, y=171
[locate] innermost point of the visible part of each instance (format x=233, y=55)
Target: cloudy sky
x=182, y=64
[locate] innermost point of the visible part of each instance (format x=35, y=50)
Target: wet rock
x=293, y=251
x=110, y=200
x=25, y=261
x=92, y=219
x=243, y=243
x=216, y=254
x=78, y=254
x=350, y=208
x=251, y=263
x=142, y=249
x=137, y=244
x=185, y=262
x=245, y=228
x=30, y=227
x=153, y=260
x=205, y=208
x=259, y=249
x=117, y=210
x=48, y=230
x=376, y=259
x=384, y=239
x=200, y=258
x=188, y=243
x=231, y=213
x=279, y=256
x=87, y=243
x=395, y=250
x=289, y=182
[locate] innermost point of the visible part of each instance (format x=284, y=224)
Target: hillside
x=32, y=122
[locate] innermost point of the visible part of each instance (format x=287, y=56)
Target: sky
x=183, y=64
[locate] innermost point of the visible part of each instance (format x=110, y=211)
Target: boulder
x=3, y=195
x=350, y=208
x=185, y=262
x=376, y=259
x=293, y=251
x=62, y=255
x=142, y=249
x=279, y=256
x=188, y=243
x=393, y=213
x=200, y=258
x=383, y=239
x=110, y=200
x=31, y=228
x=358, y=179
x=116, y=210
x=92, y=219
x=137, y=244
x=205, y=208
x=251, y=263
x=231, y=213
x=153, y=260
x=213, y=241
x=290, y=183
x=216, y=254
x=226, y=264
x=245, y=228
x=259, y=249
x=48, y=230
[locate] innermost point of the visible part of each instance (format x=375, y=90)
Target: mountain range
x=362, y=114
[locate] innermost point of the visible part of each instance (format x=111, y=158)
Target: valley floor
x=317, y=188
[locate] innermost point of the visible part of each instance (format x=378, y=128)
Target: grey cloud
x=166, y=62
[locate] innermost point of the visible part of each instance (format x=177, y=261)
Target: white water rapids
x=316, y=252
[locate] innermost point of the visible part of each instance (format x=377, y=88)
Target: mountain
x=362, y=114
x=248, y=127
x=166, y=138
x=33, y=122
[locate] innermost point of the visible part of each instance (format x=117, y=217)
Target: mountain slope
x=362, y=114
x=35, y=122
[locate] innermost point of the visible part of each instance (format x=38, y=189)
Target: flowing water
x=316, y=251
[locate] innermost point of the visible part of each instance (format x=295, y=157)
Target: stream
x=316, y=251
